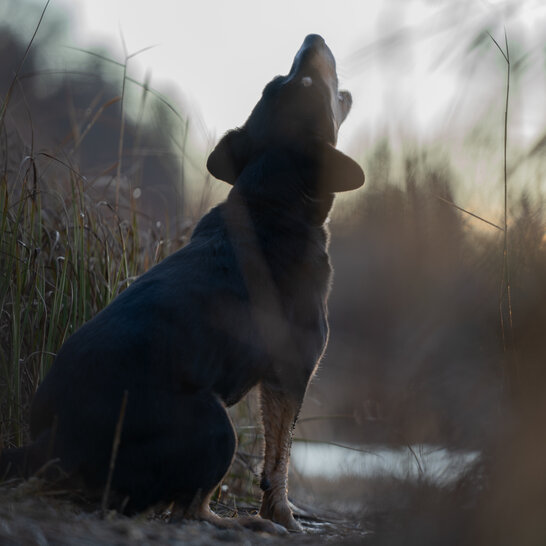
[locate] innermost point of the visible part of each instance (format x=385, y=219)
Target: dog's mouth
x=314, y=59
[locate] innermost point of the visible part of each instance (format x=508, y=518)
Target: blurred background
x=427, y=413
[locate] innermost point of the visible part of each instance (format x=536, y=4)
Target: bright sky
x=393, y=55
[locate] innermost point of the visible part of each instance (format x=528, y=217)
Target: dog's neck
x=279, y=184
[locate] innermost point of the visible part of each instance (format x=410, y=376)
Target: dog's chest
x=279, y=327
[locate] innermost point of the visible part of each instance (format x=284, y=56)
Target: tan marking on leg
x=200, y=510
x=279, y=414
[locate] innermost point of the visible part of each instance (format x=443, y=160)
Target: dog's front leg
x=279, y=411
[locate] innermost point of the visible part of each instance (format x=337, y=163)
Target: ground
x=33, y=514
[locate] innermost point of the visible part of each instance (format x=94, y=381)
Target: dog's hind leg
x=188, y=452
x=177, y=450
x=279, y=413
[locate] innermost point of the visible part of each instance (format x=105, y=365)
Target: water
x=334, y=461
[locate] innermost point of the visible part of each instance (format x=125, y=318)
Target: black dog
x=243, y=304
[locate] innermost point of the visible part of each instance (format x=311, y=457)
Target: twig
x=46, y=466
x=505, y=281
x=447, y=202
x=115, y=447
x=335, y=444
x=121, y=133
x=505, y=291
x=10, y=89
x=98, y=113
x=122, y=108
x=159, y=96
x=326, y=418
x=71, y=169
x=419, y=467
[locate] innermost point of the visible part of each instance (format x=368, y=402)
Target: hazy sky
x=401, y=59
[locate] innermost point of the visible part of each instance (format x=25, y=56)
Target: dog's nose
x=313, y=40
x=313, y=53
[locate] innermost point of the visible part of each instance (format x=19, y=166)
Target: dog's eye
x=341, y=97
x=306, y=81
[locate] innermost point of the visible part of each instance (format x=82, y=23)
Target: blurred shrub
x=416, y=351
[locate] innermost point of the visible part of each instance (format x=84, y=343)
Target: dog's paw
x=279, y=512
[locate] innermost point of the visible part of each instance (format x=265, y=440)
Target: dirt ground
x=32, y=515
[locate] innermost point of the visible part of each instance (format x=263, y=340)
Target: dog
x=243, y=304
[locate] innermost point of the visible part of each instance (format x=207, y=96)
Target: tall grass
x=63, y=258
x=68, y=246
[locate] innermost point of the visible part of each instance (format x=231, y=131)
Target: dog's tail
x=13, y=463
x=22, y=462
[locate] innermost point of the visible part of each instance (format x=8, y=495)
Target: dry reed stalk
x=115, y=447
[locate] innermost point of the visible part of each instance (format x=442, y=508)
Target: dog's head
x=300, y=112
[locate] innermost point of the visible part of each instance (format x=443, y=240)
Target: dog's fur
x=243, y=304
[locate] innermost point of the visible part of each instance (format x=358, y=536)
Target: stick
x=115, y=447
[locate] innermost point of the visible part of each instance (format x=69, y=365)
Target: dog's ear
x=338, y=172
x=229, y=158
